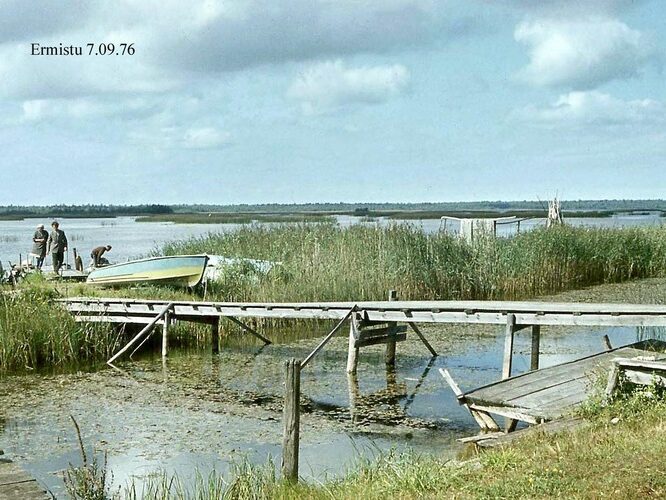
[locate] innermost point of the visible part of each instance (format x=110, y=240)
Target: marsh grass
x=36, y=332
x=328, y=262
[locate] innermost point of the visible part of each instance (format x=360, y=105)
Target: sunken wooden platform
x=16, y=484
x=551, y=393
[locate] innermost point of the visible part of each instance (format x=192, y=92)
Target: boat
x=182, y=270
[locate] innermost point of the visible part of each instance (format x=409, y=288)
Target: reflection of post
x=352, y=355
x=354, y=393
x=215, y=335
x=390, y=346
x=391, y=379
x=291, y=420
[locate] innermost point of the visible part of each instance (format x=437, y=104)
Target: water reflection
x=202, y=410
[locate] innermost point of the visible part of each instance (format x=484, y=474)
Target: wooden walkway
x=553, y=392
x=366, y=317
x=481, y=312
x=16, y=484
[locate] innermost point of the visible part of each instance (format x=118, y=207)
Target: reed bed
x=328, y=262
x=35, y=332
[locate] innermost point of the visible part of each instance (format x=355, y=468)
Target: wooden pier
x=16, y=484
x=372, y=323
x=551, y=393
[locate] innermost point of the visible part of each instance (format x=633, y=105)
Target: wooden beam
x=144, y=331
x=389, y=357
x=249, y=330
x=327, y=338
x=536, y=347
x=352, y=353
x=423, y=339
x=291, y=420
x=165, y=332
x=508, y=345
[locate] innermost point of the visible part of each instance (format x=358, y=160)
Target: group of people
x=55, y=243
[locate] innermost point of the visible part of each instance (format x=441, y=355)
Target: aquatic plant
x=328, y=262
x=35, y=332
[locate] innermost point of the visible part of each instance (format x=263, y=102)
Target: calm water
x=131, y=239
x=201, y=411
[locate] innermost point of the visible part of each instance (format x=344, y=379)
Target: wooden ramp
x=16, y=484
x=551, y=393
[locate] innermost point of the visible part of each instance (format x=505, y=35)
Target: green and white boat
x=181, y=270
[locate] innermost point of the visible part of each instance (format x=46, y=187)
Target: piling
x=291, y=420
x=352, y=355
x=390, y=345
x=215, y=335
x=536, y=341
x=165, y=332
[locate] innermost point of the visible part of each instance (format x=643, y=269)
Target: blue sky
x=254, y=101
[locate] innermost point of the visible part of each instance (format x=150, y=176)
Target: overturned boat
x=180, y=270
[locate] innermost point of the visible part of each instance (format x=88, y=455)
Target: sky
x=298, y=101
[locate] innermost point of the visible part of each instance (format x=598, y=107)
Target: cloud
x=205, y=138
x=36, y=110
x=593, y=108
x=265, y=31
x=168, y=137
x=22, y=20
x=569, y=9
x=581, y=54
x=330, y=85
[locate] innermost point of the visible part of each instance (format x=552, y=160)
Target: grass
x=231, y=218
x=328, y=262
x=35, y=332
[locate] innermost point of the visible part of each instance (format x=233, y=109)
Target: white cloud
x=205, y=138
x=330, y=85
x=35, y=110
x=594, y=108
x=581, y=54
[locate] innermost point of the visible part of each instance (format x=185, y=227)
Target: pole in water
x=291, y=420
x=390, y=346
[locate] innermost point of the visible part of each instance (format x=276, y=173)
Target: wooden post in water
x=508, y=345
x=390, y=346
x=352, y=355
x=536, y=341
x=291, y=420
x=165, y=331
x=215, y=335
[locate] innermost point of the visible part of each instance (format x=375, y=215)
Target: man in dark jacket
x=97, y=253
x=57, y=246
x=39, y=240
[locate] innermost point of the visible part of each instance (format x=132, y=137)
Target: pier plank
x=17, y=484
x=550, y=393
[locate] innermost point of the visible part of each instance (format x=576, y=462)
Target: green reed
x=36, y=332
x=327, y=262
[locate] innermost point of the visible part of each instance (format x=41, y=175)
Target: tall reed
x=328, y=262
x=35, y=332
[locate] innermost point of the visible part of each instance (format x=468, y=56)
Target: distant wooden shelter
x=472, y=227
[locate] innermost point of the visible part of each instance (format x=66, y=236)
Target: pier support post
x=536, y=341
x=352, y=355
x=291, y=420
x=215, y=335
x=508, y=345
x=390, y=346
x=165, y=331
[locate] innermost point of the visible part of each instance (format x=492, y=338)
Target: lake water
x=132, y=239
x=200, y=411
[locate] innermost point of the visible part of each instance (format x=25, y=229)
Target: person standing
x=57, y=246
x=39, y=240
x=97, y=253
